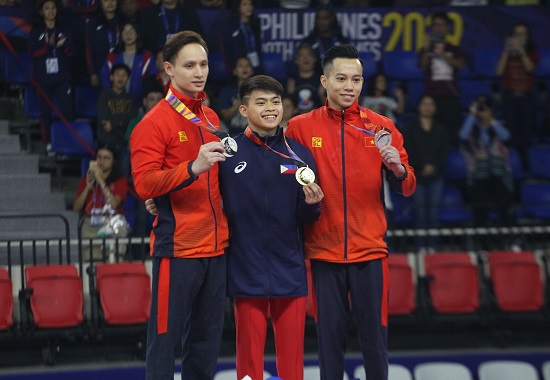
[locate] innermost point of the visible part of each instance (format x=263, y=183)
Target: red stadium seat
x=125, y=293
x=402, y=285
x=517, y=281
x=6, y=300
x=453, y=282
x=56, y=298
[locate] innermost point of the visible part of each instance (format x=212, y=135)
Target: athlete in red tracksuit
x=346, y=245
x=174, y=161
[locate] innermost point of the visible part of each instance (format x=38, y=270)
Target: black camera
x=482, y=105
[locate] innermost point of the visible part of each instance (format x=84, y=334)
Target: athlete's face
x=189, y=71
x=264, y=111
x=343, y=81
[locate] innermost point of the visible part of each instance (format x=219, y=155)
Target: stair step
x=39, y=202
x=4, y=127
x=9, y=144
x=19, y=164
x=37, y=226
x=25, y=183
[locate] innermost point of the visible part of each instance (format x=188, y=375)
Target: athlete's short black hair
x=339, y=51
x=260, y=82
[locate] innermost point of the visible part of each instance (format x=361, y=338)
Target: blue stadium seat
x=64, y=142
x=414, y=90
x=538, y=158
x=472, y=88
x=455, y=167
x=217, y=70
x=452, y=208
x=485, y=62
x=370, y=65
x=275, y=66
x=518, y=172
x=535, y=200
x=543, y=67
x=401, y=65
x=18, y=71
x=85, y=101
x=31, y=105
x=402, y=209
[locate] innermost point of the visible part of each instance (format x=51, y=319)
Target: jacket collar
x=194, y=104
x=350, y=112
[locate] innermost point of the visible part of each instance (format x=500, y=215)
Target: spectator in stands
x=489, y=174
x=102, y=185
x=326, y=33
x=166, y=18
x=440, y=60
x=152, y=93
x=81, y=11
x=141, y=62
x=304, y=83
x=129, y=11
x=290, y=109
x=51, y=48
x=241, y=36
x=427, y=143
x=228, y=99
x=161, y=78
x=115, y=109
x=379, y=99
x=102, y=37
x=174, y=160
x=517, y=65
x=346, y=245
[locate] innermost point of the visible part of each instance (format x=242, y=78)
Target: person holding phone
x=102, y=185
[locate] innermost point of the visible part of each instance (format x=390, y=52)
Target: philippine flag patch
x=288, y=169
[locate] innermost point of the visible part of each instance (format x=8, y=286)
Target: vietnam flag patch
x=288, y=169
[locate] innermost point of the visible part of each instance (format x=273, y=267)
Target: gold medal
x=382, y=138
x=230, y=146
x=305, y=175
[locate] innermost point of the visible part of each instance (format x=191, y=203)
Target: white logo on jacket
x=240, y=167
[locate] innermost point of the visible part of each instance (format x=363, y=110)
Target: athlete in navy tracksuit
x=266, y=208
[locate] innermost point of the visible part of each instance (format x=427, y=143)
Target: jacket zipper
x=344, y=189
x=210, y=201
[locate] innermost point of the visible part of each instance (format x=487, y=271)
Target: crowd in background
x=116, y=46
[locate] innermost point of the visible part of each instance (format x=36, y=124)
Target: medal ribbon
x=370, y=128
x=293, y=156
x=184, y=111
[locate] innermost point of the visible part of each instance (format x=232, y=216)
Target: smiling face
x=189, y=69
x=264, y=111
x=343, y=80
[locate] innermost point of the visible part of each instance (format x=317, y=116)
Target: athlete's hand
x=313, y=193
x=391, y=159
x=209, y=154
x=150, y=206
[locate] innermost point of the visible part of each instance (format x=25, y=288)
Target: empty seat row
x=455, y=283
x=52, y=297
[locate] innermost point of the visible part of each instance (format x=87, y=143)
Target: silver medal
x=230, y=146
x=382, y=138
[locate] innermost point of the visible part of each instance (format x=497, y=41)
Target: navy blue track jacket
x=266, y=210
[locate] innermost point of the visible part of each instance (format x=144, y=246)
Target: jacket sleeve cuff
x=192, y=176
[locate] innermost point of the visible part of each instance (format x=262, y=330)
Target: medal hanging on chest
x=304, y=175
x=229, y=144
